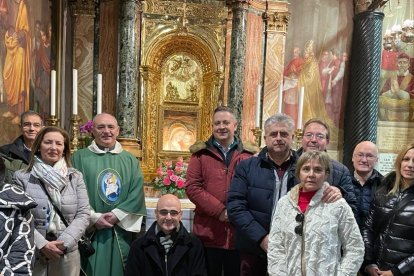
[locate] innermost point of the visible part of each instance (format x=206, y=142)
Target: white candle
x=258, y=97
x=75, y=92
x=99, y=95
x=52, y=93
x=300, y=110
x=280, y=100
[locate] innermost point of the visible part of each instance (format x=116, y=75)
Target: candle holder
x=52, y=120
x=74, y=122
x=298, y=138
x=257, y=132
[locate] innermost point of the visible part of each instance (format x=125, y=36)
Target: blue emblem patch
x=110, y=185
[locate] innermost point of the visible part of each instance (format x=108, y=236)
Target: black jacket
x=251, y=199
x=16, y=150
x=365, y=194
x=389, y=230
x=340, y=177
x=147, y=256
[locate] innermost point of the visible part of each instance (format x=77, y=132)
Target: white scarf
x=55, y=179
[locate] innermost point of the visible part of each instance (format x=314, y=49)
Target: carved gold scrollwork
x=278, y=21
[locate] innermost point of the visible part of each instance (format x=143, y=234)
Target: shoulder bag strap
x=54, y=206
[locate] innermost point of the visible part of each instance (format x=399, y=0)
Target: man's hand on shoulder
x=331, y=194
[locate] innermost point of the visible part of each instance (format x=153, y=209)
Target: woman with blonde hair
x=389, y=229
x=309, y=236
x=55, y=186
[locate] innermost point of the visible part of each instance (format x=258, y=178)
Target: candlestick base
x=298, y=138
x=74, y=143
x=257, y=132
x=52, y=120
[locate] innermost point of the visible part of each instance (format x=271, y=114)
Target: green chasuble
x=113, y=180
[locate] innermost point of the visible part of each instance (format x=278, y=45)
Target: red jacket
x=208, y=180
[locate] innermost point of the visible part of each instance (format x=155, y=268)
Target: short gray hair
x=280, y=118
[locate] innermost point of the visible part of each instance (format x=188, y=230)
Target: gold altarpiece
x=181, y=79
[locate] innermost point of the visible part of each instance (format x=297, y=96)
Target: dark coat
x=208, y=181
x=16, y=150
x=251, y=199
x=147, y=256
x=388, y=233
x=18, y=240
x=341, y=178
x=365, y=194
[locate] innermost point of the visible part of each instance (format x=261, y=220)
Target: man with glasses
x=366, y=178
x=316, y=138
x=17, y=154
x=167, y=248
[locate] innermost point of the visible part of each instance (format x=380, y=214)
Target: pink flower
x=180, y=159
x=166, y=181
x=180, y=183
x=170, y=172
x=168, y=164
x=174, y=178
x=159, y=171
x=178, y=169
x=179, y=164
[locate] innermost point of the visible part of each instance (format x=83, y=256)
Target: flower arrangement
x=86, y=133
x=171, y=178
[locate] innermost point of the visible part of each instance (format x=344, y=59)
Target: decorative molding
x=277, y=21
x=83, y=7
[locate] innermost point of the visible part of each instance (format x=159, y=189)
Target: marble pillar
x=363, y=95
x=127, y=100
x=237, y=58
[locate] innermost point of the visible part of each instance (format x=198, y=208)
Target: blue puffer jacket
x=250, y=200
x=341, y=178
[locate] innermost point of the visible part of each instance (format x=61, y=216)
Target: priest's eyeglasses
x=299, y=228
x=164, y=212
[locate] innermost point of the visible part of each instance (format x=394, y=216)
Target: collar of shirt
x=222, y=149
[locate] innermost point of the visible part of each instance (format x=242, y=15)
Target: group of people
x=68, y=197
x=286, y=212
x=276, y=211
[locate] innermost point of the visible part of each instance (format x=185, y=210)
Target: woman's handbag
x=84, y=244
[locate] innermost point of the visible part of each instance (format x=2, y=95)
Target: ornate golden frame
x=154, y=58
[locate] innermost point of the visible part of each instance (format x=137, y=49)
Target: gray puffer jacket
x=75, y=208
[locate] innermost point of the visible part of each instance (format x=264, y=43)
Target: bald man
x=114, y=182
x=167, y=248
x=366, y=179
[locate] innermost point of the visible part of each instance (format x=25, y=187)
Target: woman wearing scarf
x=308, y=236
x=50, y=175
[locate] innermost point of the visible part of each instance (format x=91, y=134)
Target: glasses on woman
x=299, y=228
x=164, y=212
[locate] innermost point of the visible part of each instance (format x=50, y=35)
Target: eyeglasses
x=164, y=212
x=368, y=156
x=318, y=136
x=29, y=124
x=299, y=228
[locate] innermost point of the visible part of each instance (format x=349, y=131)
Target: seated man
x=167, y=248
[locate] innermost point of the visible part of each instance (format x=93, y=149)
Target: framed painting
x=178, y=129
x=26, y=58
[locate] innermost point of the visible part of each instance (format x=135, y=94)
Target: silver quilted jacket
x=75, y=208
x=326, y=229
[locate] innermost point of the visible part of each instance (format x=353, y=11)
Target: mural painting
x=25, y=61
x=318, y=44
